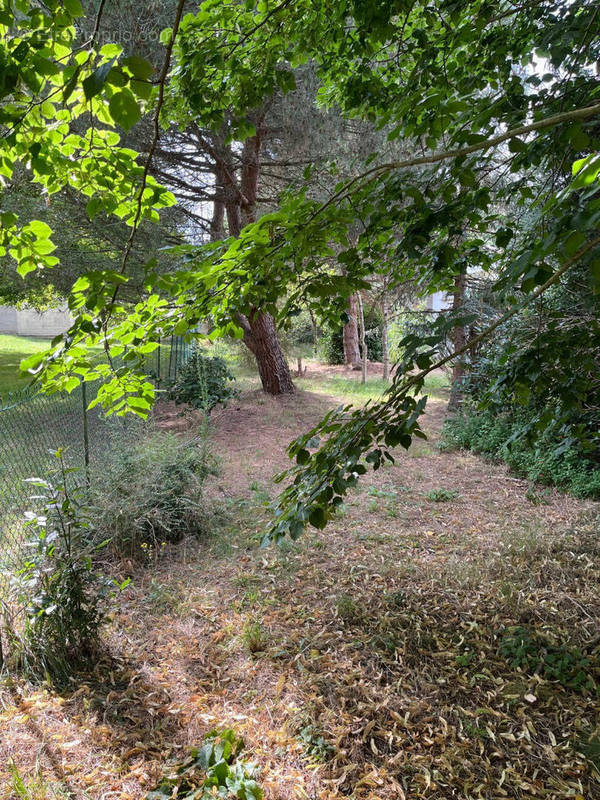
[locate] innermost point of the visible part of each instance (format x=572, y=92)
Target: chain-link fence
x=32, y=427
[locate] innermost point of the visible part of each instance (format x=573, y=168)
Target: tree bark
x=260, y=333
x=459, y=339
x=363, y=341
x=385, y=351
x=260, y=336
x=350, y=336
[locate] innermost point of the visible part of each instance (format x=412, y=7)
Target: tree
x=484, y=129
x=350, y=335
x=459, y=340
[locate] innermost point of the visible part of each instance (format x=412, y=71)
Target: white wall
x=28, y=322
x=439, y=301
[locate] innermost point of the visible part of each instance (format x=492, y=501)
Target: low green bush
x=65, y=597
x=203, y=382
x=490, y=433
x=149, y=491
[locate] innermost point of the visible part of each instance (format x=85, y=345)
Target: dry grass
x=361, y=662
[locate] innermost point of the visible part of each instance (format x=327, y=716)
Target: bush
x=545, y=460
x=65, y=596
x=149, y=491
x=203, y=382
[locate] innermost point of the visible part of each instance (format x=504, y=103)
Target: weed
x=34, y=787
x=347, y=608
x=65, y=598
x=442, y=495
x=213, y=770
x=534, y=653
x=537, y=497
x=315, y=745
x=162, y=598
x=254, y=637
x=150, y=492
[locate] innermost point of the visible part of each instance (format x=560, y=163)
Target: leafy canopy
x=500, y=104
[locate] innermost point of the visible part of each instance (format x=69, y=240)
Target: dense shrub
x=544, y=459
x=532, y=389
x=203, y=382
x=150, y=491
x=65, y=596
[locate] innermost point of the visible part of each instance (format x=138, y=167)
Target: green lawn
x=358, y=393
x=12, y=350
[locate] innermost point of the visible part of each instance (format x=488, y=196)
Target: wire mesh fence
x=32, y=427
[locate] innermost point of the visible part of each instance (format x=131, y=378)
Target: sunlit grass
x=352, y=390
x=13, y=349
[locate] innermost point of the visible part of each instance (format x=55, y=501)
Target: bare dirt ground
x=362, y=661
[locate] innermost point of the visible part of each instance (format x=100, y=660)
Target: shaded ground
x=372, y=661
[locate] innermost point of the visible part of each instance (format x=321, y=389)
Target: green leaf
x=139, y=67
x=74, y=7
x=124, y=109
x=302, y=457
x=317, y=518
x=94, y=83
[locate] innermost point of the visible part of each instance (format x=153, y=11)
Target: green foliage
x=213, y=770
x=348, y=609
x=496, y=435
x=203, y=382
x=471, y=91
x=66, y=597
x=254, y=636
x=150, y=491
x=331, y=346
x=442, y=495
x=34, y=787
x=533, y=653
x=316, y=746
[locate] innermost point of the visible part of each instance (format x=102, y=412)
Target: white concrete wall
x=28, y=322
x=439, y=301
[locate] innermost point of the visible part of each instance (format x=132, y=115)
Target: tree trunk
x=385, y=352
x=363, y=341
x=260, y=336
x=459, y=339
x=260, y=333
x=315, y=332
x=350, y=336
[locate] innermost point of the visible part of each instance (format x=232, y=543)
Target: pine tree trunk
x=459, y=339
x=363, y=341
x=260, y=333
x=315, y=332
x=385, y=352
x=350, y=336
x=260, y=336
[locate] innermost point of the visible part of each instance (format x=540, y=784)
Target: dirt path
x=338, y=689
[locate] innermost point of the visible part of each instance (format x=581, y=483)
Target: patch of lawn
x=13, y=349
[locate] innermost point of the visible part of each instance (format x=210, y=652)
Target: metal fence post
x=86, y=441
x=158, y=375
